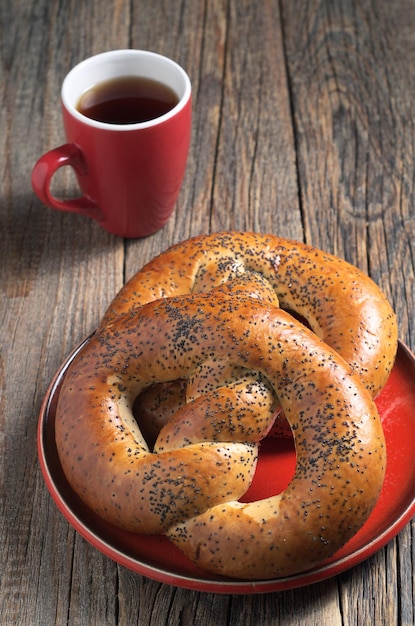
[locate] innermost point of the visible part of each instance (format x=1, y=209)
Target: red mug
x=129, y=174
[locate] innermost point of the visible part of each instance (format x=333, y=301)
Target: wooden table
x=304, y=127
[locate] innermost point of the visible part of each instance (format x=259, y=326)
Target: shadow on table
x=34, y=237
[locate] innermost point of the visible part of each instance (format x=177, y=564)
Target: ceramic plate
x=157, y=558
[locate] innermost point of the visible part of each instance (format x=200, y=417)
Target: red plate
x=157, y=558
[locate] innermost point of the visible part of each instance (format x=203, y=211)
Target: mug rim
x=103, y=57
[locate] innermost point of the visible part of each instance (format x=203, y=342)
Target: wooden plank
x=254, y=183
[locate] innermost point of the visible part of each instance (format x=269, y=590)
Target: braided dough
x=227, y=358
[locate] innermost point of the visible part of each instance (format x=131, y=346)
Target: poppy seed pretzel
x=342, y=305
x=189, y=489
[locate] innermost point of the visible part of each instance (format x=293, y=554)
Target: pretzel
x=188, y=486
x=341, y=304
x=161, y=415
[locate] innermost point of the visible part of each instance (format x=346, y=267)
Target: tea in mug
x=127, y=100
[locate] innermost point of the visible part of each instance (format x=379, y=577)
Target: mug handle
x=45, y=168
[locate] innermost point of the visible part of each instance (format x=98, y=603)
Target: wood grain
x=303, y=126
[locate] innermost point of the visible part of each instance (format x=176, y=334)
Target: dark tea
x=127, y=100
